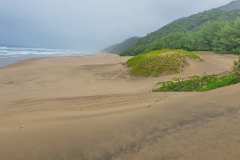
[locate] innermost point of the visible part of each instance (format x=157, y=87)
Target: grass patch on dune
x=158, y=62
x=199, y=84
x=202, y=83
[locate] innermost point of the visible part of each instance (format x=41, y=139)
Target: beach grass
x=155, y=63
x=199, y=83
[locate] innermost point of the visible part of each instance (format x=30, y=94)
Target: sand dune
x=89, y=108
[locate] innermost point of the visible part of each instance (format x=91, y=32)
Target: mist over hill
x=118, y=48
x=234, y=5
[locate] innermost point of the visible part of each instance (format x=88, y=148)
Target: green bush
x=199, y=84
x=158, y=62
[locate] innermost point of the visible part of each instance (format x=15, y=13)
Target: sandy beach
x=90, y=108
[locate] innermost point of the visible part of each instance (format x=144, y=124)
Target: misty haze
x=88, y=25
x=119, y=80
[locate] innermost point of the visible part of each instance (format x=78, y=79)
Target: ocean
x=11, y=55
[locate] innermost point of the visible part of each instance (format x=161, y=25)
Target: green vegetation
x=199, y=84
x=204, y=83
x=156, y=63
x=213, y=30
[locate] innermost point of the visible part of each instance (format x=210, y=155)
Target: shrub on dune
x=198, y=83
x=202, y=83
x=159, y=62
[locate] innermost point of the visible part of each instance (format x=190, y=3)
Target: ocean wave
x=12, y=51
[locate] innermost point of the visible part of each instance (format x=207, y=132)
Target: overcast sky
x=88, y=25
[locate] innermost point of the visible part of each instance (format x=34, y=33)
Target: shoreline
x=25, y=58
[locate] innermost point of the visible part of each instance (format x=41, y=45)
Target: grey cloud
x=88, y=24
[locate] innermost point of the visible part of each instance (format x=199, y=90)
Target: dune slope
x=88, y=108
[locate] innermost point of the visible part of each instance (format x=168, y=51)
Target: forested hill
x=214, y=30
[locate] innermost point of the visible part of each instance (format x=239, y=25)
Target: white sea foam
x=10, y=55
x=7, y=51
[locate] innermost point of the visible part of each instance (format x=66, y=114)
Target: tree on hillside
x=229, y=37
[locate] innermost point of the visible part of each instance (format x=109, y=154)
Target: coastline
x=8, y=61
x=10, y=55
